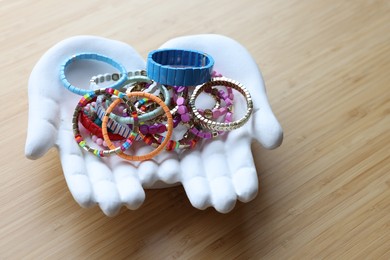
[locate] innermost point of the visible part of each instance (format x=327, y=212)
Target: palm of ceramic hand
x=212, y=175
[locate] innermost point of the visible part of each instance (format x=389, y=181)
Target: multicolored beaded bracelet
x=185, y=143
x=191, y=137
x=86, y=99
x=155, y=151
x=113, y=125
x=133, y=78
x=91, y=122
x=91, y=56
x=226, y=112
x=214, y=125
x=96, y=130
x=155, y=137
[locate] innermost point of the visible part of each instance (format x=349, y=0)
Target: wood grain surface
x=324, y=194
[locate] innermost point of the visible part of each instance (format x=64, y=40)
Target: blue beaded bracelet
x=175, y=67
x=91, y=56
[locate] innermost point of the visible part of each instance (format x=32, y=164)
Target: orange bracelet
x=158, y=149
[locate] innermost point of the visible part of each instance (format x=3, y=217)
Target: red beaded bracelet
x=94, y=129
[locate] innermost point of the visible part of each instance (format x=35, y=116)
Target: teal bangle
x=91, y=56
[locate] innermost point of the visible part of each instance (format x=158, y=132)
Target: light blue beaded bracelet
x=175, y=67
x=91, y=56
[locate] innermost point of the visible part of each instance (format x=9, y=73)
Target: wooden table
x=323, y=194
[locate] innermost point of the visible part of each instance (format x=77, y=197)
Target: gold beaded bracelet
x=214, y=125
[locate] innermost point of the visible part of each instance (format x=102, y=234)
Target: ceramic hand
x=222, y=170
x=109, y=183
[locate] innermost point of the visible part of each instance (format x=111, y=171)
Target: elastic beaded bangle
x=94, y=129
x=87, y=98
x=215, y=113
x=114, y=126
x=133, y=77
x=213, y=125
x=175, y=67
x=155, y=151
x=173, y=145
x=149, y=115
x=91, y=56
x=115, y=76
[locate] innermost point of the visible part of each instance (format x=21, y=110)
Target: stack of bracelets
x=148, y=106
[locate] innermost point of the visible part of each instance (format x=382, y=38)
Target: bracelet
x=115, y=76
x=175, y=67
x=155, y=151
x=91, y=56
x=89, y=119
x=114, y=126
x=216, y=112
x=133, y=77
x=155, y=140
x=88, y=98
x=214, y=125
x=94, y=129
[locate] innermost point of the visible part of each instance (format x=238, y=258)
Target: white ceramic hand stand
x=216, y=173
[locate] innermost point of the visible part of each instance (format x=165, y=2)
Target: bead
x=152, y=129
x=208, y=135
x=144, y=129
x=99, y=141
x=185, y=118
x=208, y=113
x=180, y=101
x=115, y=76
x=229, y=117
x=208, y=89
x=180, y=89
x=228, y=102
x=162, y=128
x=176, y=121
x=193, y=144
x=182, y=110
x=223, y=110
x=216, y=113
x=79, y=139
